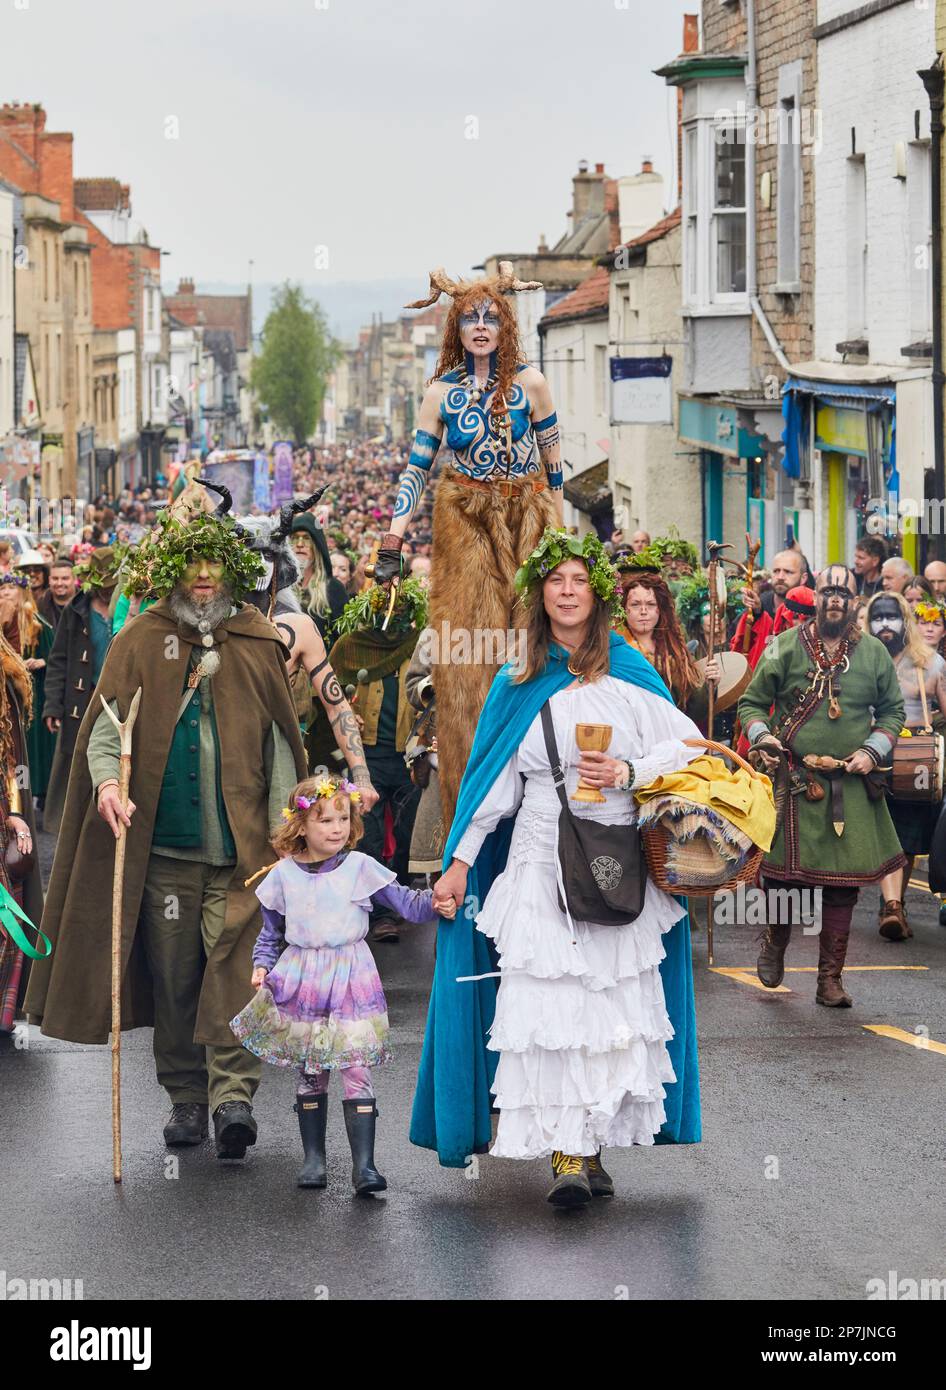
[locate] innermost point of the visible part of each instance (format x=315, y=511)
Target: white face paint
x=264, y=580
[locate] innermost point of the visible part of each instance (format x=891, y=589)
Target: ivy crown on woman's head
x=558, y=545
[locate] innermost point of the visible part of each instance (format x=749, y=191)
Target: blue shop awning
x=872, y=396
x=842, y=393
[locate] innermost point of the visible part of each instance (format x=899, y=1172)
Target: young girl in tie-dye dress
x=319, y=1004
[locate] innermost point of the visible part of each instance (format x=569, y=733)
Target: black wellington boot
x=360, y=1116
x=312, y=1112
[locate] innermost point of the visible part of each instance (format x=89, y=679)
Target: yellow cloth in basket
x=746, y=801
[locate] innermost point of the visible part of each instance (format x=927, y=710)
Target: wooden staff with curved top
x=124, y=728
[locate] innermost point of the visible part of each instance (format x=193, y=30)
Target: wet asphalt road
x=821, y=1165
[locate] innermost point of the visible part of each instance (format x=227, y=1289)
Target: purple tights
x=356, y=1082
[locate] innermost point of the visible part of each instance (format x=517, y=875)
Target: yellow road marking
x=745, y=974
x=899, y=1035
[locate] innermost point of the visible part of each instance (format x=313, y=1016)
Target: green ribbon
x=9, y=911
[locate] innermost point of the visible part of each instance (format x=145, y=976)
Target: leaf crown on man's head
x=158, y=566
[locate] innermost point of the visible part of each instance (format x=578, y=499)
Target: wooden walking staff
x=752, y=550
x=118, y=884
x=715, y=570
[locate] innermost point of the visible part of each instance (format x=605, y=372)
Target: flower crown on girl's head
x=325, y=790
x=929, y=613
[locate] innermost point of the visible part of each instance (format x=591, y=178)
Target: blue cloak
x=452, y=1101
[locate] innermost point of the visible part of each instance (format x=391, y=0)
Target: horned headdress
x=506, y=282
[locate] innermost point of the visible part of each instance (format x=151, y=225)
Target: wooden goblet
x=591, y=738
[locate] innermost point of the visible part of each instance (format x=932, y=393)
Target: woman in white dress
x=581, y=1023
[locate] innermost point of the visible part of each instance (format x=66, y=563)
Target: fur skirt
x=479, y=541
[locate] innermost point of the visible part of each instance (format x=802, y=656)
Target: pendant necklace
x=579, y=674
x=829, y=668
x=470, y=384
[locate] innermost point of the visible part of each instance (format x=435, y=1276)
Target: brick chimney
x=587, y=193
x=185, y=287
x=102, y=195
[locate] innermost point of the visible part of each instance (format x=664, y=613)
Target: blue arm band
x=425, y=450
x=880, y=743
x=556, y=479
x=547, y=423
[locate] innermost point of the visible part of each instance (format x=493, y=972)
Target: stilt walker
x=501, y=488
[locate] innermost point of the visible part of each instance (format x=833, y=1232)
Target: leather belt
x=505, y=489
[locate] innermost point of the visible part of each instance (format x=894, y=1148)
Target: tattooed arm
x=545, y=428
x=344, y=725
x=426, y=443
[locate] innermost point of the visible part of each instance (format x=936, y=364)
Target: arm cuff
x=424, y=451
x=555, y=479
x=879, y=742
x=756, y=729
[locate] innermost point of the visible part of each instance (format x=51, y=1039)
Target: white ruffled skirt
x=581, y=1024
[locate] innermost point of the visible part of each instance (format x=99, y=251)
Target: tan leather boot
x=893, y=922
x=770, y=966
x=832, y=950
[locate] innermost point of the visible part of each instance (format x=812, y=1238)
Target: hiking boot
x=312, y=1112
x=187, y=1124
x=893, y=922
x=770, y=966
x=234, y=1130
x=600, y=1182
x=570, y=1187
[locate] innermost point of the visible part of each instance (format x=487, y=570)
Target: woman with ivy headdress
x=593, y=1026
x=501, y=487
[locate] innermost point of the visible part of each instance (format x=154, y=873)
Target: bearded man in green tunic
x=826, y=690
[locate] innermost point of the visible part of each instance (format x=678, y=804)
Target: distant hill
x=348, y=304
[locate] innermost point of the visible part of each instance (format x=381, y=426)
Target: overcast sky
x=336, y=130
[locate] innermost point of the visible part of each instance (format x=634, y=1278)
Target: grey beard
x=187, y=610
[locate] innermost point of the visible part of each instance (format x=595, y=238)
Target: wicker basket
x=655, y=838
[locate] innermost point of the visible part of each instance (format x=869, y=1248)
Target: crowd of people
x=307, y=726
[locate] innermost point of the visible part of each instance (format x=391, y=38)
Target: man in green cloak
x=216, y=751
